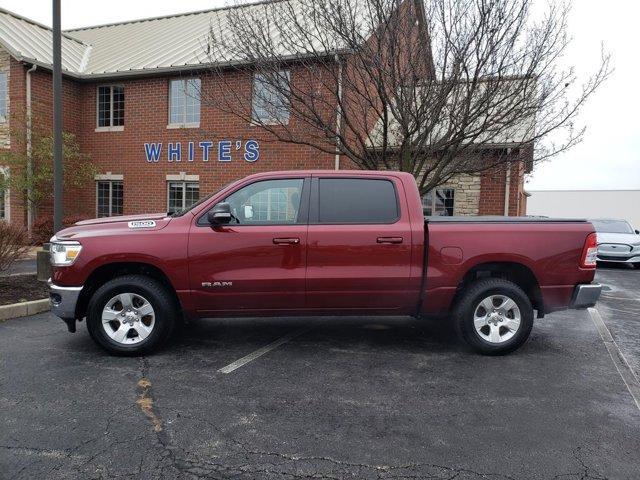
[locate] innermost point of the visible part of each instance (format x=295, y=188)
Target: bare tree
x=14, y=244
x=436, y=88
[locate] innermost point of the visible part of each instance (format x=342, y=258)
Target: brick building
x=155, y=145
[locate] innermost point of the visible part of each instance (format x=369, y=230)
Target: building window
x=110, y=106
x=275, y=202
x=439, y=202
x=184, y=102
x=270, y=104
x=4, y=195
x=109, y=198
x=182, y=195
x=3, y=97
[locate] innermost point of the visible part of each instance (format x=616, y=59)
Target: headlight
x=63, y=254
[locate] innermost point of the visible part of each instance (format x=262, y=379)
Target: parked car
x=318, y=243
x=618, y=242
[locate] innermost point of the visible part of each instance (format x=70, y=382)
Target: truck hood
x=623, y=238
x=112, y=225
x=126, y=218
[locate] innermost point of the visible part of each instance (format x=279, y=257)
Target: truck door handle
x=390, y=240
x=286, y=241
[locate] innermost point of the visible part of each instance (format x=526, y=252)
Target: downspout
x=30, y=213
x=507, y=186
x=338, y=113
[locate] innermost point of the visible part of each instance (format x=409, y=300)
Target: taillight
x=589, y=252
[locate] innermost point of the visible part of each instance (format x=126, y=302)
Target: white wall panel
x=619, y=204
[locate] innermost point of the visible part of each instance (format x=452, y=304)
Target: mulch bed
x=22, y=288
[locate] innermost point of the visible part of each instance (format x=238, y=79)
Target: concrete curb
x=7, y=275
x=23, y=309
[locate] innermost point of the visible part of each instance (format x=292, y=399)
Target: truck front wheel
x=494, y=316
x=131, y=315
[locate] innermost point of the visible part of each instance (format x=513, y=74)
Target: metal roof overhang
x=154, y=72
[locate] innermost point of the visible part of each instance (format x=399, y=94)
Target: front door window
x=272, y=202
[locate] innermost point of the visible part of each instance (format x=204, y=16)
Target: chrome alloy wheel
x=497, y=319
x=128, y=318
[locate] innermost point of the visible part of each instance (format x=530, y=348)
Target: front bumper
x=585, y=296
x=618, y=253
x=63, y=301
x=618, y=258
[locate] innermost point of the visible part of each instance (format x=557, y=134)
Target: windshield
x=199, y=202
x=612, y=226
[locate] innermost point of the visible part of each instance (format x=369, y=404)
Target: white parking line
x=260, y=352
x=628, y=375
x=627, y=312
x=606, y=295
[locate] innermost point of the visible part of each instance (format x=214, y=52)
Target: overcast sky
x=609, y=158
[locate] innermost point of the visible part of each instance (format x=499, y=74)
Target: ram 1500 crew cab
x=318, y=243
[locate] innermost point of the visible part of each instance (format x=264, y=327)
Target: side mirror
x=637, y=232
x=220, y=214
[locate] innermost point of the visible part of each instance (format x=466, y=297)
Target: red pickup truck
x=318, y=243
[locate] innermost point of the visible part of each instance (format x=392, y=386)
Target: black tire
x=469, y=301
x=160, y=298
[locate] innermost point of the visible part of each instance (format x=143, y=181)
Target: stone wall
x=484, y=193
x=466, y=199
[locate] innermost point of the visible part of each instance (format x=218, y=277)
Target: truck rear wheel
x=494, y=316
x=131, y=315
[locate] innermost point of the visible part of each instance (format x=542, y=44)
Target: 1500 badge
x=142, y=224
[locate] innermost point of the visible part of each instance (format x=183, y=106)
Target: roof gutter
x=150, y=72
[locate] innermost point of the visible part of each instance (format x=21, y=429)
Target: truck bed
x=547, y=250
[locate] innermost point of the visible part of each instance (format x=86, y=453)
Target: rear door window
x=357, y=201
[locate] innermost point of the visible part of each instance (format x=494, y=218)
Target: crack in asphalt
x=586, y=470
x=317, y=467
x=290, y=465
x=299, y=466
x=168, y=458
x=247, y=462
x=182, y=463
x=176, y=462
x=145, y=400
x=42, y=453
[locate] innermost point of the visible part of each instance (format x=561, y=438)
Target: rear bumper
x=585, y=296
x=63, y=301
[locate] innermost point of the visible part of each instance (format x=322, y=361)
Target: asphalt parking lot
x=330, y=399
